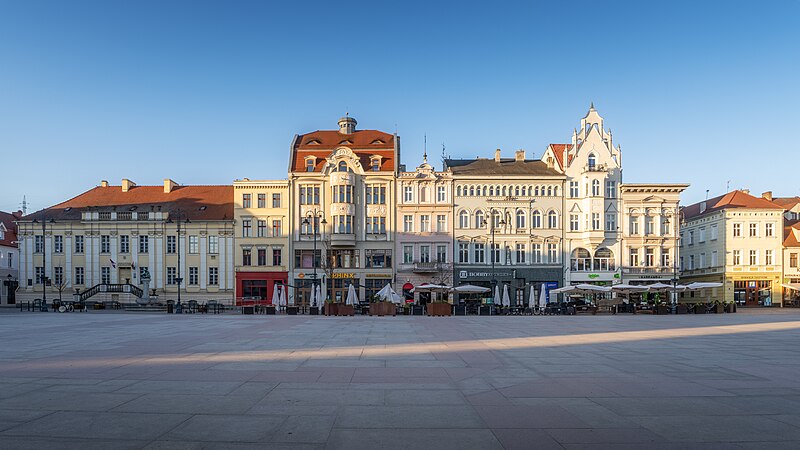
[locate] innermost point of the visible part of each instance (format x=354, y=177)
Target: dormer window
x=375, y=163
x=592, y=161
x=345, y=142
x=310, y=164
x=377, y=142
x=313, y=142
x=343, y=167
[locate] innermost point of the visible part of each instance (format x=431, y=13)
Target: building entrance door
x=124, y=274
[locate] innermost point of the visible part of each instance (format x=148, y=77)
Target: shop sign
x=343, y=275
x=378, y=275
x=467, y=274
x=594, y=275
x=301, y=275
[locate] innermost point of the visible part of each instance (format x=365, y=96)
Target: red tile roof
x=10, y=236
x=786, y=202
x=789, y=237
x=558, y=150
x=364, y=143
x=733, y=199
x=197, y=202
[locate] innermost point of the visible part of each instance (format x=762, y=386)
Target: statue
x=145, y=280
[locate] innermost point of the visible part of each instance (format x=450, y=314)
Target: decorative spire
x=591, y=105
x=425, y=147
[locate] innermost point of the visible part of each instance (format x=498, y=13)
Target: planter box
x=699, y=309
x=269, y=310
x=730, y=308
x=661, y=310
x=484, y=310
x=248, y=310
x=719, y=309
x=382, y=309
x=330, y=309
x=460, y=310
x=292, y=310
x=681, y=308
x=345, y=310
x=314, y=311
x=417, y=310
x=440, y=309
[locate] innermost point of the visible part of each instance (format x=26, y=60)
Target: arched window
x=472, y=191
x=536, y=191
x=552, y=220
x=536, y=219
x=479, y=219
x=343, y=166
x=595, y=188
x=555, y=191
x=516, y=191
x=491, y=191
x=549, y=191
x=505, y=191
x=592, y=161
x=603, y=260
x=484, y=191
x=520, y=219
x=524, y=191
x=581, y=260
x=458, y=191
x=463, y=219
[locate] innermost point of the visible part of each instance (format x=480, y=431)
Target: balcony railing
x=595, y=168
x=426, y=267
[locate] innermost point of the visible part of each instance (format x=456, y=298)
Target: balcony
x=595, y=168
x=644, y=270
x=426, y=267
x=703, y=271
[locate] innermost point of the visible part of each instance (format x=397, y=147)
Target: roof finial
x=591, y=105
x=425, y=147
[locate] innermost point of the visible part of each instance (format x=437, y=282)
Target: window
x=309, y=195
x=581, y=260
x=463, y=252
x=125, y=216
x=144, y=215
x=58, y=244
x=58, y=276
x=495, y=253
x=408, y=223
x=633, y=225
x=552, y=219
x=713, y=232
x=424, y=253
x=310, y=165
x=262, y=200
x=441, y=194
x=603, y=259
x=665, y=261
x=276, y=200
x=277, y=257
x=595, y=188
x=213, y=245
x=753, y=230
x=596, y=221
x=737, y=230
x=793, y=260
x=463, y=219
x=38, y=275
x=375, y=164
x=247, y=226
x=246, y=200
x=407, y=194
x=649, y=225
x=194, y=277
x=552, y=253
x=343, y=194
x=105, y=275
x=480, y=253
x=592, y=161
x=376, y=194
x=714, y=261
x=124, y=243
x=276, y=228
x=408, y=254
x=573, y=189
x=768, y=257
x=378, y=259
x=144, y=244
x=105, y=244
x=261, y=255
x=649, y=257
x=633, y=257
x=574, y=222
x=691, y=262
x=425, y=223
x=769, y=229
x=441, y=254
x=213, y=276
x=753, y=257
x=79, y=243
x=441, y=223
x=105, y=215
x=376, y=225
x=261, y=228
x=701, y=262
x=611, y=189
x=343, y=167
x=520, y=252
x=611, y=222
x=690, y=238
x=194, y=244
x=246, y=257
x=10, y=260
x=79, y=276
x=479, y=219
x=664, y=226
x=701, y=235
x=307, y=259
x=38, y=244
x=520, y=219
x=536, y=219
x=423, y=194
x=737, y=257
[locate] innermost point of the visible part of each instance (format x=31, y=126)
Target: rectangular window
x=649, y=257
x=753, y=257
x=38, y=275
x=634, y=225
x=408, y=223
x=574, y=222
x=713, y=232
x=307, y=259
x=79, y=276
x=768, y=257
x=79, y=243
x=124, y=243
x=633, y=257
x=737, y=257
x=213, y=276
x=105, y=275
x=480, y=253
x=424, y=223
x=573, y=189
x=753, y=230
x=441, y=223
x=690, y=238
x=463, y=252
x=701, y=235
x=769, y=229
x=408, y=254
x=376, y=225
x=310, y=165
x=595, y=221
x=441, y=195
x=691, y=262
x=194, y=277
x=194, y=244
x=425, y=253
x=344, y=259
x=171, y=275
x=737, y=230
x=262, y=200
x=262, y=257
x=649, y=225
x=171, y=244
x=611, y=222
x=665, y=226
x=246, y=257
x=552, y=253
x=213, y=245
x=261, y=228
x=105, y=244
x=407, y=194
x=58, y=244
x=520, y=253
x=276, y=200
x=611, y=189
x=58, y=276
x=714, y=261
x=376, y=194
x=378, y=259
x=701, y=263
x=537, y=254
x=144, y=244
x=343, y=224
x=277, y=229
x=247, y=226
x=277, y=257
x=793, y=260
x=495, y=252
x=246, y=200
x=441, y=254
x=665, y=260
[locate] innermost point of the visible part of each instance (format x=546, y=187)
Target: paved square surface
x=123, y=380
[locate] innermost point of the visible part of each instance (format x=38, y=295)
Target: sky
x=207, y=92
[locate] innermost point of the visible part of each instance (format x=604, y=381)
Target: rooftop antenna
x=425, y=148
x=24, y=206
x=707, y=193
x=728, y=186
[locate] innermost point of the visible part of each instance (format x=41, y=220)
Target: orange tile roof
x=197, y=202
x=789, y=238
x=786, y=202
x=10, y=236
x=558, y=150
x=364, y=143
x=733, y=199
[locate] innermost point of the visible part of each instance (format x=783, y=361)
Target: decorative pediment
x=575, y=208
x=654, y=199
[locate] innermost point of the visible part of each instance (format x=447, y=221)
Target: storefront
x=258, y=286
x=519, y=280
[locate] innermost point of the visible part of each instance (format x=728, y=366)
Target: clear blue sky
x=205, y=92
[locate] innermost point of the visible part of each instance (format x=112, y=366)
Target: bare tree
x=61, y=286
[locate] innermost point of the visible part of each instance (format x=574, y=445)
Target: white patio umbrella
x=702, y=285
x=275, y=293
x=564, y=290
x=283, y=297
x=532, y=299
x=506, y=298
x=320, y=297
x=543, y=297
x=471, y=289
x=352, y=298
x=496, y=295
x=313, y=300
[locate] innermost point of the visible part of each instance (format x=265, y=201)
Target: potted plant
x=730, y=306
x=699, y=308
x=681, y=308
x=719, y=308
x=661, y=308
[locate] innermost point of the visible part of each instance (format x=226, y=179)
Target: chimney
x=169, y=185
x=127, y=185
x=497, y=155
x=702, y=207
x=767, y=195
x=103, y=183
x=746, y=191
x=519, y=155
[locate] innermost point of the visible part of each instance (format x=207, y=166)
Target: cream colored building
x=106, y=237
x=261, y=212
x=424, y=251
x=791, y=255
x=735, y=239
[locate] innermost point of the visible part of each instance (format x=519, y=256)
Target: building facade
x=791, y=268
x=261, y=237
x=508, y=227
x=424, y=223
x=735, y=239
x=9, y=257
x=110, y=235
x=342, y=203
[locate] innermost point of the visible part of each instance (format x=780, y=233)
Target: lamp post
x=312, y=220
x=179, y=214
x=674, y=299
x=44, y=257
x=493, y=230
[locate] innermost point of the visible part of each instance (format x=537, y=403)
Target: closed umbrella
x=506, y=299
x=543, y=297
x=352, y=298
x=275, y=293
x=496, y=295
x=320, y=297
x=313, y=299
x=532, y=299
x=283, y=297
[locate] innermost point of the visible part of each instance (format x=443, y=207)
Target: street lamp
x=493, y=230
x=44, y=257
x=674, y=299
x=179, y=214
x=312, y=220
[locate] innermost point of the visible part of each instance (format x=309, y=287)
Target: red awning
x=408, y=287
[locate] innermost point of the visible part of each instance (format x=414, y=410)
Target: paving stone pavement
x=93, y=380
